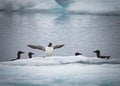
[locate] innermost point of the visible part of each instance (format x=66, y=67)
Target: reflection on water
x=83, y=33
x=62, y=19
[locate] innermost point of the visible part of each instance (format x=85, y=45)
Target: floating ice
x=17, y=5
x=71, y=6
x=59, y=60
x=26, y=72
x=60, y=71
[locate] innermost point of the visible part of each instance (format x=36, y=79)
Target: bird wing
x=58, y=46
x=37, y=47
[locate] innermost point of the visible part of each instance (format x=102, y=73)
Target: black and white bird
x=30, y=55
x=48, y=50
x=18, y=55
x=99, y=56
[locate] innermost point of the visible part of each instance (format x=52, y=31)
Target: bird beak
x=23, y=52
x=94, y=51
x=28, y=45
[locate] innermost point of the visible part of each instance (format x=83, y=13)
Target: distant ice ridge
x=9, y=5
x=60, y=60
x=16, y=5
x=69, y=6
x=95, y=6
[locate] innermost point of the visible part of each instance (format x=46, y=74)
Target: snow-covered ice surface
x=60, y=71
x=59, y=60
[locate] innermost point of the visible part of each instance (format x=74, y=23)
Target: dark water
x=83, y=33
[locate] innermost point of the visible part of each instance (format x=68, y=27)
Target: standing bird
x=48, y=50
x=99, y=56
x=30, y=55
x=18, y=55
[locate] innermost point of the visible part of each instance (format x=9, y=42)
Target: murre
x=48, y=50
x=99, y=56
x=30, y=55
x=77, y=54
x=18, y=55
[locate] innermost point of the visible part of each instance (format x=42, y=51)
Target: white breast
x=48, y=51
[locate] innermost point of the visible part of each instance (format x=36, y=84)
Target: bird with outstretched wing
x=48, y=50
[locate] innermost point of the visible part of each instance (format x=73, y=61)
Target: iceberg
x=63, y=6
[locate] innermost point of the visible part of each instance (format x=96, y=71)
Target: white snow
x=57, y=60
x=59, y=71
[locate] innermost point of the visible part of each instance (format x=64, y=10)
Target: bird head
x=20, y=52
x=30, y=53
x=77, y=53
x=50, y=45
x=96, y=51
